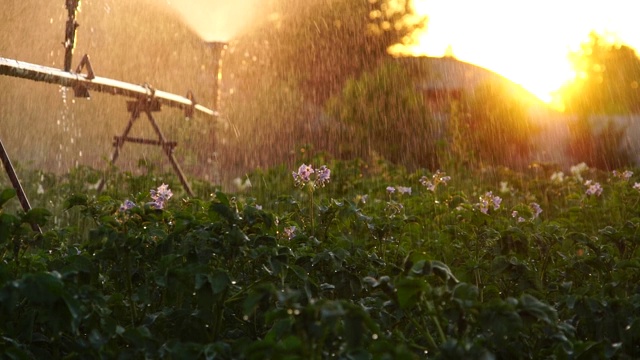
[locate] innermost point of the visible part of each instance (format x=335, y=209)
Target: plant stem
x=312, y=212
x=130, y=289
x=425, y=332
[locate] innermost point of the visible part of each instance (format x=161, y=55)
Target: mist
x=218, y=20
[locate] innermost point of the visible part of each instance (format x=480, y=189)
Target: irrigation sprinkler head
x=217, y=52
x=72, y=5
x=70, y=32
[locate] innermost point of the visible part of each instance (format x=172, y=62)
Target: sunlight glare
x=526, y=42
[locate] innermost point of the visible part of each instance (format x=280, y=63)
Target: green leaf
x=441, y=270
x=465, y=294
x=37, y=216
x=223, y=210
x=42, y=288
x=219, y=281
x=536, y=308
x=260, y=293
x=6, y=195
x=7, y=226
x=409, y=291
x=76, y=200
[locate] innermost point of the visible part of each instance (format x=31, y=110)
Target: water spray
x=217, y=52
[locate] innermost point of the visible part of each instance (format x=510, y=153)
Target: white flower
x=557, y=177
x=577, y=170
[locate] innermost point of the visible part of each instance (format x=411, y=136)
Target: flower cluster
x=515, y=214
x=593, y=188
x=160, y=196
x=303, y=175
x=535, y=209
x=290, y=231
x=557, y=177
x=577, y=170
x=438, y=178
x=127, y=205
x=489, y=199
x=636, y=186
x=401, y=190
x=626, y=175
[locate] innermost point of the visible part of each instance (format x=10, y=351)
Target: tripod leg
x=168, y=150
x=16, y=184
x=118, y=143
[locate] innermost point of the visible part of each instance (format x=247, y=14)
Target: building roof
x=450, y=74
x=447, y=73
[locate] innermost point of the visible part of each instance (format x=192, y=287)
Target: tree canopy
x=381, y=113
x=607, y=78
x=305, y=55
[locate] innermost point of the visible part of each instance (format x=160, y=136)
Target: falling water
x=69, y=130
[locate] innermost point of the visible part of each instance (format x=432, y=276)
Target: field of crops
x=329, y=260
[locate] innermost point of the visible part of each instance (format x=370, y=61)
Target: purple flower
x=303, y=175
x=430, y=186
x=636, y=186
x=404, y=190
x=391, y=189
x=519, y=219
x=438, y=178
x=593, y=188
x=486, y=200
x=160, y=195
x=127, y=205
x=290, y=231
x=626, y=175
x=535, y=207
x=323, y=175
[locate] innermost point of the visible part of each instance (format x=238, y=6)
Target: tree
x=498, y=127
x=381, y=113
x=607, y=79
x=310, y=50
x=606, y=83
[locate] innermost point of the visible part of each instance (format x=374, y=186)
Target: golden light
x=524, y=41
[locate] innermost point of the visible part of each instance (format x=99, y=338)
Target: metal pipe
x=34, y=72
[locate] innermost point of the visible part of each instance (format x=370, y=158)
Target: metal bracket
x=80, y=90
x=189, y=110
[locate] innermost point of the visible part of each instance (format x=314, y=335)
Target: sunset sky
x=525, y=41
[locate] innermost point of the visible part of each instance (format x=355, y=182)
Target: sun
x=527, y=42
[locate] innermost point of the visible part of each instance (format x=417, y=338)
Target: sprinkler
x=217, y=53
x=144, y=99
x=70, y=32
